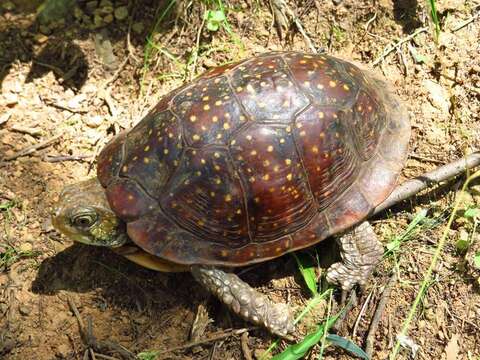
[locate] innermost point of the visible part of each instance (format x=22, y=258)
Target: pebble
x=25, y=247
x=40, y=38
x=24, y=310
x=10, y=99
x=121, y=13
x=138, y=27
x=93, y=121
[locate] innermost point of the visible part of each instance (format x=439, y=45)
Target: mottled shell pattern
x=255, y=159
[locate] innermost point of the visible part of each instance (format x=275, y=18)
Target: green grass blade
x=347, y=345
x=298, y=351
x=434, y=16
x=308, y=273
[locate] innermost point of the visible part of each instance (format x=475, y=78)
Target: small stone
x=138, y=27
x=63, y=351
x=77, y=13
x=40, y=38
x=91, y=6
x=74, y=103
x=44, y=29
x=108, y=19
x=106, y=3
x=93, y=121
x=97, y=20
x=25, y=247
x=10, y=99
x=24, y=310
x=8, y=5
x=121, y=13
x=437, y=95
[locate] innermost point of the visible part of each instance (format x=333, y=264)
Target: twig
x=218, y=336
x=90, y=340
x=442, y=173
x=247, y=354
x=62, y=107
x=197, y=49
x=282, y=5
x=61, y=158
x=466, y=22
x=378, y=314
x=31, y=149
x=422, y=158
x=360, y=315
x=389, y=49
x=26, y=130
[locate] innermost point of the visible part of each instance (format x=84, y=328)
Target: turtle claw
x=245, y=301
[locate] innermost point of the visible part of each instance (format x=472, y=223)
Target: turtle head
x=83, y=214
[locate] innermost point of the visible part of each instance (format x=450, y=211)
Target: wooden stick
x=378, y=314
x=31, y=149
x=415, y=185
x=390, y=48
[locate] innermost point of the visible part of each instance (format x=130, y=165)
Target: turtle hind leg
x=245, y=301
x=360, y=250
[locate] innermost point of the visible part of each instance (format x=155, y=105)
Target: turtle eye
x=84, y=220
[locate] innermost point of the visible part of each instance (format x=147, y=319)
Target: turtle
x=248, y=162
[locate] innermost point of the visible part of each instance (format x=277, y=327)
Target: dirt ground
x=67, y=87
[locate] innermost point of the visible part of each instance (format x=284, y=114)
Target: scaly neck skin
x=84, y=215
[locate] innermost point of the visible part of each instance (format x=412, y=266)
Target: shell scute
x=206, y=198
x=153, y=150
x=325, y=144
x=209, y=111
x=266, y=90
x=277, y=192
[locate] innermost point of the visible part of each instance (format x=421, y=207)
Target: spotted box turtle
x=248, y=162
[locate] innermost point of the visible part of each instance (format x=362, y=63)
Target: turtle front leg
x=245, y=301
x=360, y=250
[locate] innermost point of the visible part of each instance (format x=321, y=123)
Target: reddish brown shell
x=256, y=159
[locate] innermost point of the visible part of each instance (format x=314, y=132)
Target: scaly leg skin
x=360, y=251
x=245, y=301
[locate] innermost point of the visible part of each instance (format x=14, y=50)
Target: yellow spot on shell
x=270, y=148
x=124, y=168
x=302, y=133
x=202, y=161
x=193, y=118
x=165, y=151
x=322, y=135
x=242, y=118
x=146, y=148
x=253, y=152
x=321, y=115
x=130, y=197
x=276, y=168
x=332, y=83
x=239, y=88
x=315, y=149
x=228, y=198
x=196, y=137
x=215, y=119
x=289, y=177
x=303, y=61
x=216, y=154
x=266, y=163
x=306, y=83
x=226, y=126
x=233, y=142
x=320, y=86
x=252, y=179
x=146, y=160
x=248, y=137
x=205, y=98
x=206, y=107
x=198, y=173
x=346, y=87
x=218, y=102
x=266, y=177
x=288, y=161
x=256, y=199
x=224, y=253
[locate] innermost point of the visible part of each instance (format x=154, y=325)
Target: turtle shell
x=255, y=159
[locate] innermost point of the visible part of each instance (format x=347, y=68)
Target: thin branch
x=391, y=48
x=378, y=314
x=442, y=173
x=31, y=149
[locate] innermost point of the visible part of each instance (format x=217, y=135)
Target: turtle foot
x=245, y=301
x=360, y=251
